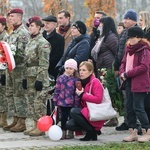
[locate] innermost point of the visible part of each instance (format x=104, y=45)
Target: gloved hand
x=24, y=84
x=38, y=85
x=3, y=79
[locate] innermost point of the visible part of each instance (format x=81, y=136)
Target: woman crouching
x=92, y=91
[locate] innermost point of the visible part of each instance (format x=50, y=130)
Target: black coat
x=57, y=43
x=78, y=49
x=147, y=34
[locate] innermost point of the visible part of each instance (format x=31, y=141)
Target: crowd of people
x=55, y=47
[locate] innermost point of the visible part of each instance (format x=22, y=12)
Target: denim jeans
x=135, y=107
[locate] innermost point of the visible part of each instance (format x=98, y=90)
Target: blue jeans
x=135, y=107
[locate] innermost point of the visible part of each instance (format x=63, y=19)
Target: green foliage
x=109, y=80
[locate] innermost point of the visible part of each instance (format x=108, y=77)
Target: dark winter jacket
x=140, y=74
x=147, y=34
x=78, y=49
x=107, y=52
x=120, y=50
x=57, y=43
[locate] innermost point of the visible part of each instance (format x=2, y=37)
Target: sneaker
x=122, y=127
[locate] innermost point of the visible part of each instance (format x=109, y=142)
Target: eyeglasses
x=73, y=28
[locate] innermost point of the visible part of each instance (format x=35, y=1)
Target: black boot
x=90, y=136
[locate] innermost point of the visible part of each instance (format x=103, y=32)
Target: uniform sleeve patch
x=46, y=46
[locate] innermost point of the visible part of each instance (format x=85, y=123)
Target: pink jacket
x=95, y=97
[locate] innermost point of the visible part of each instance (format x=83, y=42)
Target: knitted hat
x=135, y=32
x=71, y=63
x=131, y=14
x=2, y=20
x=50, y=18
x=80, y=26
x=33, y=19
x=16, y=10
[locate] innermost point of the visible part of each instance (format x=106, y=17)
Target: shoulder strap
x=92, y=83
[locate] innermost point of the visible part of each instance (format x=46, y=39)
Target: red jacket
x=95, y=97
x=140, y=74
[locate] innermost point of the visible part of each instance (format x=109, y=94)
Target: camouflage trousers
x=15, y=94
x=3, y=102
x=36, y=101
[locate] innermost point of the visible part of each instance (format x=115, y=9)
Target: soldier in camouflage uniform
x=3, y=103
x=37, y=57
x=15, y=94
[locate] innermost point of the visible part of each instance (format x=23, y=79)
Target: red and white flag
x=55, y=114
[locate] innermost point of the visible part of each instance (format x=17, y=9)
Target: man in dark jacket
x=130, y=20
x=57, y=43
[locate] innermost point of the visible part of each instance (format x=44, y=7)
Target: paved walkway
x=19, y=141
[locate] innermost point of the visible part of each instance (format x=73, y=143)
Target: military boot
x=132, y=137
x=36, y=132
x=145, y=136
x=63, y=135
x=7, y=127
x=20, y=126
x=3, y=119
x=26, y=132
x=70, y=135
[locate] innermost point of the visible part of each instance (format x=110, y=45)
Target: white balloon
x=55, y=133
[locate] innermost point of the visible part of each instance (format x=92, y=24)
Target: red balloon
x=44, y=123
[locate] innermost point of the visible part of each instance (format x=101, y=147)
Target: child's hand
x=79, y=92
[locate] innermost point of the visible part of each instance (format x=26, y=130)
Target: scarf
x=33, y=36
x=129, y=62
x=132, y=49
x=85, y=81
x=63, y=29
x=96, y=48
x=16, y=27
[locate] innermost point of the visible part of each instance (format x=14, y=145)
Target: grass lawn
x=110, y=146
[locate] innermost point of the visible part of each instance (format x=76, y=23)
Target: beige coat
x=67, y=37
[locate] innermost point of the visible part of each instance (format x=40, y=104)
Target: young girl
x=64, y=94
x=135, y=69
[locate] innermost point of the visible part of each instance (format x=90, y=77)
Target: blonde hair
x=145, y=15
x=88, y=65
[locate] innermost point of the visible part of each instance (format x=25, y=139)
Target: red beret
x=16, y=10
x=2, y=20
x=33, y=19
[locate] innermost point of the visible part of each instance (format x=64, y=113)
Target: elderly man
x=57, y=43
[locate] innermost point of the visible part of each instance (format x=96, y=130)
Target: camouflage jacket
x=3, y=36
x=17, y=41
x=37, y=59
